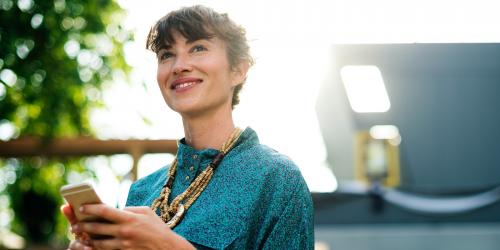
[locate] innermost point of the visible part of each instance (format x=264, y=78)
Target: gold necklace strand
x=194, y=190
x=165, y=193
x=172, y=214
x=162, y=199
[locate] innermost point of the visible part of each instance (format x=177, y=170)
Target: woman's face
x=195, y=77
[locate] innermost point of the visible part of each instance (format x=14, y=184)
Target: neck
x=209, y=130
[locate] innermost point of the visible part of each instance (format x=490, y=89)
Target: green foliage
x=54, y=57
x=35, y=196
x=59, y=64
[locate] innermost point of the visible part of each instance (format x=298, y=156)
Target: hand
x=81, y=239
x=131, y=228
x=79, y=245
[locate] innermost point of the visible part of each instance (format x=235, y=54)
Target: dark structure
x=445, y=102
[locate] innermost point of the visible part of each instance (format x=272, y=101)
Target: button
x=191, y=168
x=187, y=178
x=195, y=157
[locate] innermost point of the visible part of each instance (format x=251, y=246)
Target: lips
x=184, y=83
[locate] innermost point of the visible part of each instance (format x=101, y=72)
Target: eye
x=163, y=55
x=198, y=48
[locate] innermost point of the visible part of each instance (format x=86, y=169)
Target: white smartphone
x=79, y=194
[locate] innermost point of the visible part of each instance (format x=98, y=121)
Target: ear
x=240, y=73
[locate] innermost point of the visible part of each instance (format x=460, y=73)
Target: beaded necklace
x=172, y=214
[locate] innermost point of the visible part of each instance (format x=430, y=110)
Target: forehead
x=176, y=38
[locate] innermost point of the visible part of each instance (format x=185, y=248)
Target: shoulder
x=273, y=175
x=252, y=153
x=269, y=162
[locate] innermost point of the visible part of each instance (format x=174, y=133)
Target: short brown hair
x=200, y=22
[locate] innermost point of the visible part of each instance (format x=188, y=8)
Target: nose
x=182, y=64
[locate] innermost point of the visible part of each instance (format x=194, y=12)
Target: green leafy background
x=54, y=58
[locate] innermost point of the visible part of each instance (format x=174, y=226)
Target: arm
x=294, y=227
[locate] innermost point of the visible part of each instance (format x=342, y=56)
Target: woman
x=242, y=195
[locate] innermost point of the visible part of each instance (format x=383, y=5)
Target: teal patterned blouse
x=257, y=198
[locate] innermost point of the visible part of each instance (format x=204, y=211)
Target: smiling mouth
x=183, y=85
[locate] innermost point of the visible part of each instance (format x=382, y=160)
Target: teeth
x=184, y=85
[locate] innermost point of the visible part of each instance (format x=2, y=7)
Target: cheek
x=161, y=75
x=219, y=68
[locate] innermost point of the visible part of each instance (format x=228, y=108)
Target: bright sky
x=291, y=41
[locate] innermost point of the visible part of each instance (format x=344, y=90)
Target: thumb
x=67, y=211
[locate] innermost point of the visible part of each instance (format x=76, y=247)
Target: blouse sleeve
x=294, y=228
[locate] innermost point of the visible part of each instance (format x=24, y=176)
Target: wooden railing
x=83, y=146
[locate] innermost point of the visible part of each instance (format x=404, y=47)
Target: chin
x=195, y=107
x=186, y=109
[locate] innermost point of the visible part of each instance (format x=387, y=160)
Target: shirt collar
x=186, y=153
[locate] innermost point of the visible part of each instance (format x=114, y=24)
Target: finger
x=78, y=245
x=112, y=243
x=67, y=211
x=106, y=212
x=139, y=210
x=96, y=228
x=81, y=236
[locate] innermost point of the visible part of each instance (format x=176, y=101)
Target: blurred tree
x=54, y=58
